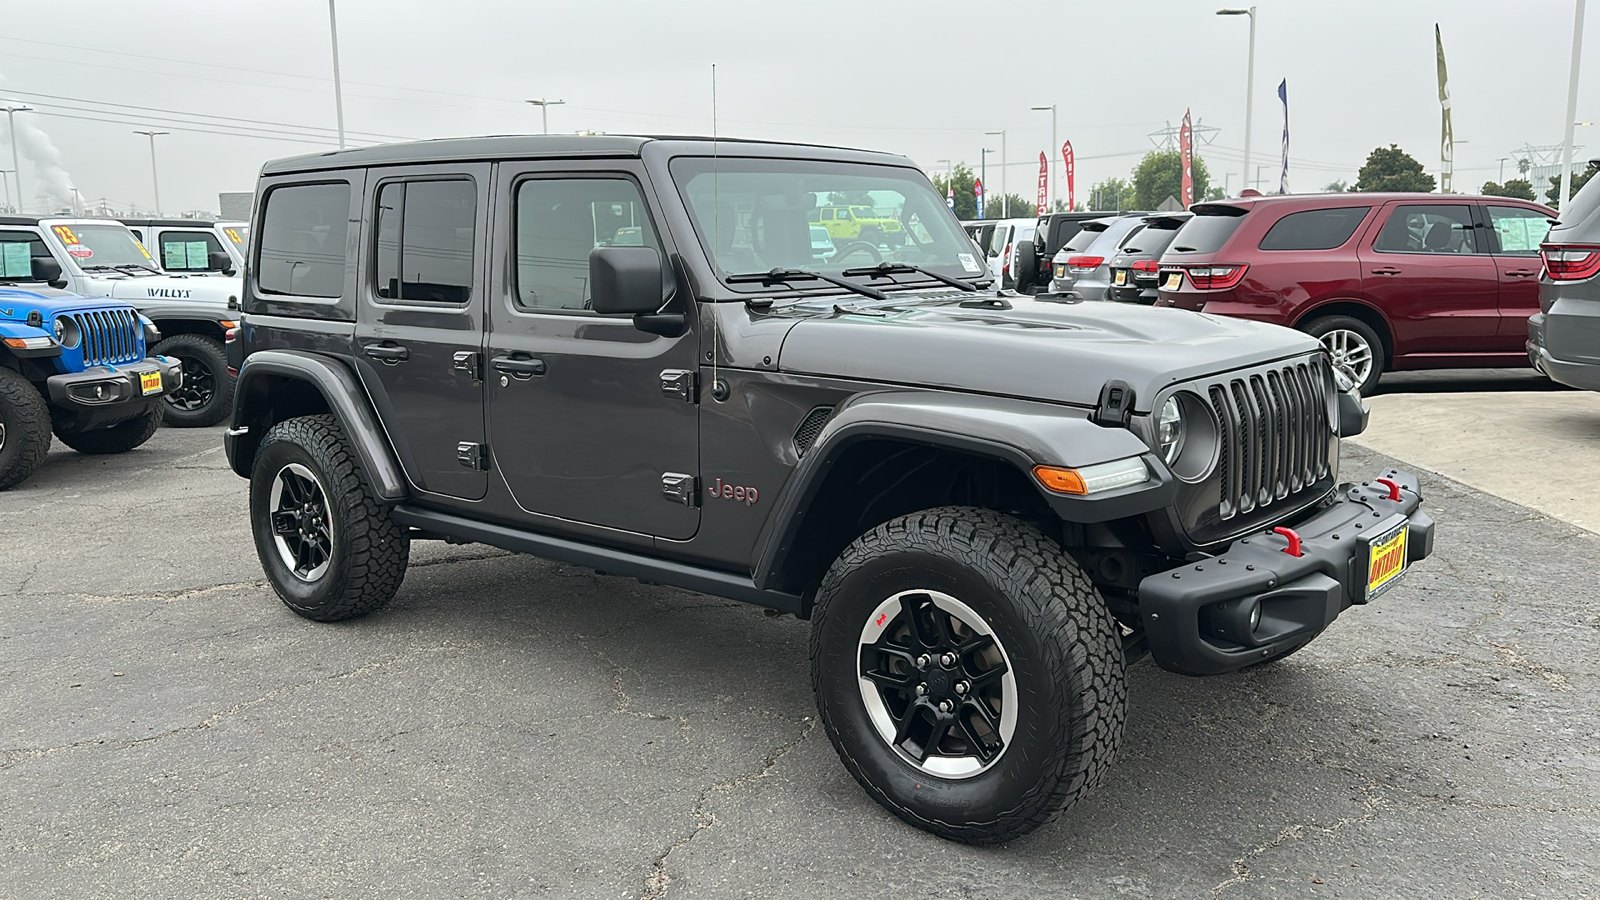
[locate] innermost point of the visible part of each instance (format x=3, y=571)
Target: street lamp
x=1055, y=150
x=1250, y=80
x=155, y=180
x=16, y=169
x=338, y=92
x=1572, y=104
x=1005, y=198
x=544, y=111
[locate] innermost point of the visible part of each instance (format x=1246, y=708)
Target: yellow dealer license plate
x=149, y=383
x=1122, y=277
x=1173, y=280
x=1386, y=558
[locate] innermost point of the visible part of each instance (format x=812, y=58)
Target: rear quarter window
x=304, y=240
x=1315, y=229
x=1208, y=230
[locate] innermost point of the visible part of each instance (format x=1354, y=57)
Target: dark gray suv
x=1564, y=335
x=619, y=352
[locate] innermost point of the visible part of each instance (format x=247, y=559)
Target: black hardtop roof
x=170, y=223
x=515, y=146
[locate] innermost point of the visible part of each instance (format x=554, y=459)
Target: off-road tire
x=369, y=549
x=1057, y=632
x=207, y=353
x=119, y=438
x=1321, y=326
x=24, y=428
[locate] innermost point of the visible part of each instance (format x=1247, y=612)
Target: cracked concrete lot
x=511, y=727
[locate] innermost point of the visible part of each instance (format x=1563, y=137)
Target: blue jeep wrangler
x=74, y=366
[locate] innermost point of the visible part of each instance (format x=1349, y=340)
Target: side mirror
x=220, y=261
x=47, y=270
x=625, y=280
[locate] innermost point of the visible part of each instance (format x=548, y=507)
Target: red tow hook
x=1294, y=540
x=1394, y=488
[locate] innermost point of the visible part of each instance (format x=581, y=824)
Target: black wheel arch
x=275, y=385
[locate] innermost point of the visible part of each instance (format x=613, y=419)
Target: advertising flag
x=950, y=194
x=1044, y=183
x=1071, y=175
x=1283, y=94
x=1447, y=137
x=977, y=194
x=1186, y=152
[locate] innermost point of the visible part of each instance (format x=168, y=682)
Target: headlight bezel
x=1199, y=439
x=67, y=332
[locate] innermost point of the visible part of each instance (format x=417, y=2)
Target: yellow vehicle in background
x=854, y=223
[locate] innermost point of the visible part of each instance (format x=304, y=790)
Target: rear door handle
x=1521, y=273
x=1386, y=270
x=521, y=368
x=387, y=353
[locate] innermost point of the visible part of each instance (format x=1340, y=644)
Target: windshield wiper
x=893, y=268
x=782, y=274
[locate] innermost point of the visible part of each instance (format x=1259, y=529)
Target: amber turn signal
x=1060, y=480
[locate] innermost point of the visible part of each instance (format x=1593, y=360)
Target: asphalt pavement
x=510, y=727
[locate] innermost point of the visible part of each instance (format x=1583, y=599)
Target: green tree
x=1392, y=169
x=995, y=206
x=1337, y=186
x=966, y=204
x=1579, y=179
x=1111, y=194
x=1160, y=175
x=1515, y=187
x=849, y=198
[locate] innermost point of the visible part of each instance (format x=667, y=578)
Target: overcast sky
x=926, y=79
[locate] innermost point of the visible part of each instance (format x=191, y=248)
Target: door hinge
x=473, y=456
x=469, y=364
x=679, y=384
x=680, y=488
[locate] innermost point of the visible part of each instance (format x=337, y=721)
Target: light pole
x=1250, y=81
x=544, y=111
x=1572, y=104
x=1055, y=152
x=16, y=168
x=984, y=177
x=155, y=180
x=338, y=93
x=1005, y=198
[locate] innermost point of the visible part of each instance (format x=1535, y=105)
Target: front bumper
x=114, y=388
x=1196, y=616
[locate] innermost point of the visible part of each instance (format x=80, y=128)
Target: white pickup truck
x=102, y=258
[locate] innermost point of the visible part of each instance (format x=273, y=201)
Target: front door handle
x=387, y=353
x=1521, y=273
x=520, y=368
x=1386, y=270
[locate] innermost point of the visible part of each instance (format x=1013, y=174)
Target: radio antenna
x=716, y=227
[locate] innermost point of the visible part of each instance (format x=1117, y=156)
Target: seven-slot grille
x=108, y=336
x=1274, y=433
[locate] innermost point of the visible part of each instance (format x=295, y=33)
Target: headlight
x=67, y=333
x=1169, y=430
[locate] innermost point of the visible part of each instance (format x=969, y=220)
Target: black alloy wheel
x=302, y=528
x=206, y=395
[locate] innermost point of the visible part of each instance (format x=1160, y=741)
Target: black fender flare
x=344, y=396
x=1021, y=433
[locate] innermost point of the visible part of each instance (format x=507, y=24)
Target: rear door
x=1428, y=268
x=1515, y=233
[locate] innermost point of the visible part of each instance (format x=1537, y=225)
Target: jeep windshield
x=757, y=215
x=103, y=247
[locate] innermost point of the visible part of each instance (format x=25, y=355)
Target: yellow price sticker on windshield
x=66, y=235
x=140, y=245
x=234, y=236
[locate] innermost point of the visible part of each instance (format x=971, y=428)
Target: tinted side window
x=1435, y=228
x=304, y=229
x=424, y=241
x=188, y=251
x=1314, y=229
x=559, y=221
x=17, y=250
x=1517, y=231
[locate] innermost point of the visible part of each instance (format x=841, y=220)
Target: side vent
x=810, y=427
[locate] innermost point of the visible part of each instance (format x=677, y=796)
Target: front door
x=583, y=428
x=1516, y=233
x=419, y=329
x=1429, y=269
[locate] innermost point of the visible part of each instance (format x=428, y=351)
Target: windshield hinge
x=679, y=384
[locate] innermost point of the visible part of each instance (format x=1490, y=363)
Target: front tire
x=206, y=396
x=967, y=672
x=119, y=438
x=330, y=549
x=1353, y=347
x=24, y=428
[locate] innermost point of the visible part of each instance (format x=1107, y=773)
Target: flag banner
x=950, y=194
x=1186, y=153
x=1044, y=183
x=1283, y=94
x=1447, y=137
x=1070, y=174
x=977, y=194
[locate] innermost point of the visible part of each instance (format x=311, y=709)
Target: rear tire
x=330, y=549
x=119, y=438
x=1017, y=722
x=206, y=396
x=1355, y=347
x=24, y=428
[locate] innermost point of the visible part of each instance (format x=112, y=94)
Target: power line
x=207, y=116
x=320, y=142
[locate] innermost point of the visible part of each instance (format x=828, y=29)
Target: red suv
x=1387, y=281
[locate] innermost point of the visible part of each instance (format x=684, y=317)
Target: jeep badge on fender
x=985, y=505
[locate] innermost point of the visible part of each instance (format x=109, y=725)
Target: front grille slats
x=1275, y=434
x=108, y=337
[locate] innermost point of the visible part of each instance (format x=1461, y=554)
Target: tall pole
x=544, y=111
x=1005, y=198
x=338, y=92
x=1250, y=82
x=16, y=168
x=1055, y=154
x=155, y=180
x=1572, y=104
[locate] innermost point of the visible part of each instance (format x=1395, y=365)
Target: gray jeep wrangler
x=621, y=352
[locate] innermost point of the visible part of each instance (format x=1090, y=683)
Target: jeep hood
x=17, y=303
x=200, y=291
x=1059, y=352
